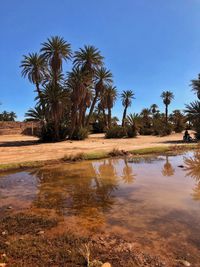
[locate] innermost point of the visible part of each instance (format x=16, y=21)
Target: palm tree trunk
x=109, y=117
x=73, y=120
x=91, y=110
x=104, y=117
x=40, y=94
x=166, y=113
x=124, y=116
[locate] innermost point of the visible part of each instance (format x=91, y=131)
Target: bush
x=146, y=131
x=98, y=127
x=166, y=130
x=131, y=131
x=116, y=132
x=80, y=134
x=47, y=133
x=161, y=128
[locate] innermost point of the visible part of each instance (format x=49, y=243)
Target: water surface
x=153, y=201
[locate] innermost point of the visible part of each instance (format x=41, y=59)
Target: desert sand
x=21, y=148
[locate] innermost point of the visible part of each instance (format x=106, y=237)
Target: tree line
x=68, y=105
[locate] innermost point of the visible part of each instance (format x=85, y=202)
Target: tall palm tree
x=76, y=85
x=34, y=67
x=167, y=97
x=103, y=78
x=110, y=96
x=196, y=86
x=55, y=98
x=55, y=50
x=126, y=97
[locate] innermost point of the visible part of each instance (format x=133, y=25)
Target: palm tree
x=12, y=116
x=76, y=85
x=8, y=116
x=55, y=99
x=103, y=78
x=154, y=109
x=35, y=114
x=34, y=67
x=88, y=58
x=196, y=86
x=133, y=120
x=110, y=96
x=54, y=51
x=178, y=120
x=193, y=114
x=126, y=97
x=145, y=113
x=167, y=97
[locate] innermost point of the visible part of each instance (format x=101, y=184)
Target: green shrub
x=80, y=134
x=116, y=132
x=131, y=131
x=48, y=133
x=166, y=130
x=146, y=131
x=161, y=128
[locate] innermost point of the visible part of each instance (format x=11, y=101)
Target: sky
x=149, y=45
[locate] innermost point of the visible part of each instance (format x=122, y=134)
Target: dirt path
x=20, y=148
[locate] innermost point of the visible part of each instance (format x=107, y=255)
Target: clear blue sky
x=150, y=45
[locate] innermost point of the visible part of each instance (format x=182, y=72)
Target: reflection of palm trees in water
x=128, y=176
x=77, y=188
x=167, y=170
x=193, y=170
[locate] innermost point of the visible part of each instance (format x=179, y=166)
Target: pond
x=153, y=201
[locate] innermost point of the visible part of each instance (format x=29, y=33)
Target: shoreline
x=74, y=157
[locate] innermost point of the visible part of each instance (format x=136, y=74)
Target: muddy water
x=152, y=201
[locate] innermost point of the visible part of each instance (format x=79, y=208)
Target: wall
x=12, y=127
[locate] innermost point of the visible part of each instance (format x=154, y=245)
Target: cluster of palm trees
x=151, y=120
x=8, y=116
x=69, y=103
x=193, y=109
x=63, y=99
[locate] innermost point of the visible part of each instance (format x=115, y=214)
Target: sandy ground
x=20, y=148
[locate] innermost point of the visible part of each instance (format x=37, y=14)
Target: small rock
x=9, y=207
x=106, y=264
x=184, y=262
x=180, y=166
x=4, y=233
x=40, y=232
x=2, y=264
x=7, y=243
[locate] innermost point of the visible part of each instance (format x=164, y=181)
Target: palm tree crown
x=88, y=58
x=127, y=97
x=154, y=108
x=196, y=86
x=167, y=97
x=34, y=67
x=54, y=51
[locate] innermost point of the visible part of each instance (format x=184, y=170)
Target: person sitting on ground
x=187, y=136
